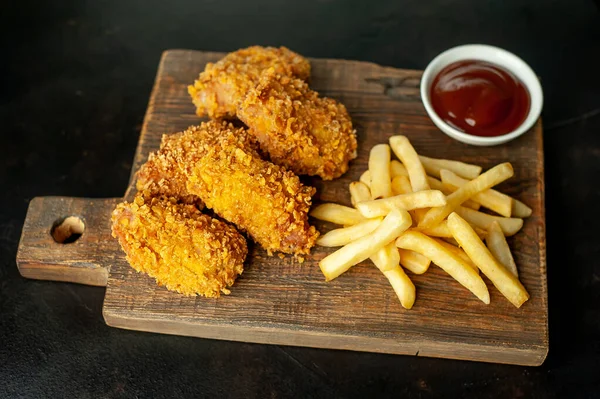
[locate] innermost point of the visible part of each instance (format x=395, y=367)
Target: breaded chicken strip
x=223, y=168
x=310, y=135
x=224, y=84
x=180, y=247
x=160, y=176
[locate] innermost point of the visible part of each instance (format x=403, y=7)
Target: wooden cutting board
x=278, y=301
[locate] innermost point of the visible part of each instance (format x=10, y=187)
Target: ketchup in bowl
x=480, y=98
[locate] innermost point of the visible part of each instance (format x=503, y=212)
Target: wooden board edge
x=97, y=276
x=542, y=231
x=492, y=353
x=39, y=257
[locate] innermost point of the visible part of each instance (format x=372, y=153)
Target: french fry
x=418, y=215
x=490, y=199
x=402, y=285
x=421, y=199
x=481, y=233
x=520, y=210
x=338, y=214
x=490, y=178
x=450, y=263
x=343, y=236
x=341, y=260
x=365, y=178
x=509, y=226
x=458, y=252
x=450, y=241
x=413, y=261
x=359, y=192
x=439, y=230
x=386, y=258
x=409, y=158
x=379, y=168
x=401, y=185
x=496, y=243
x=499, y=275
x=442, y=230
x=433, y=166
x=396, y=169
x=436, y=184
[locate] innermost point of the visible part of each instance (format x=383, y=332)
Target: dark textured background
x=75, y=78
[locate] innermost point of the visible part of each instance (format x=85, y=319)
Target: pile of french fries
x=417, y=210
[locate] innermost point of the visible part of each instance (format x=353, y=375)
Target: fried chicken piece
x=160, y=176
x=224, y=169
x=224, y=84
x=310, y=135
x=180, y=247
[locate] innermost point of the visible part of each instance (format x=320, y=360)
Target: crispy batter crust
x=224, y=84
x=224, y=169
x=180, y=247
x=160, y=176
x=310, y=135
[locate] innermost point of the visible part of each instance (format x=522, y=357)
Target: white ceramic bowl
x=493, y=55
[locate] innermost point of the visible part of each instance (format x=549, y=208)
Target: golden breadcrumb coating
x=160, y=176
x=310, y=135
x=224, y=169
x=224, y=84
x=180, y=247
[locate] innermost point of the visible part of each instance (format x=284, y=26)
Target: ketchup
x=480, y=98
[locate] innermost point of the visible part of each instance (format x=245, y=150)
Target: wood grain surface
x=85, y=261
x=279, y=301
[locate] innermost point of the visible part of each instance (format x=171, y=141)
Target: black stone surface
x=75, y=77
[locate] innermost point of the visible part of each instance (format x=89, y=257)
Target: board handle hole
x=67, y=230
